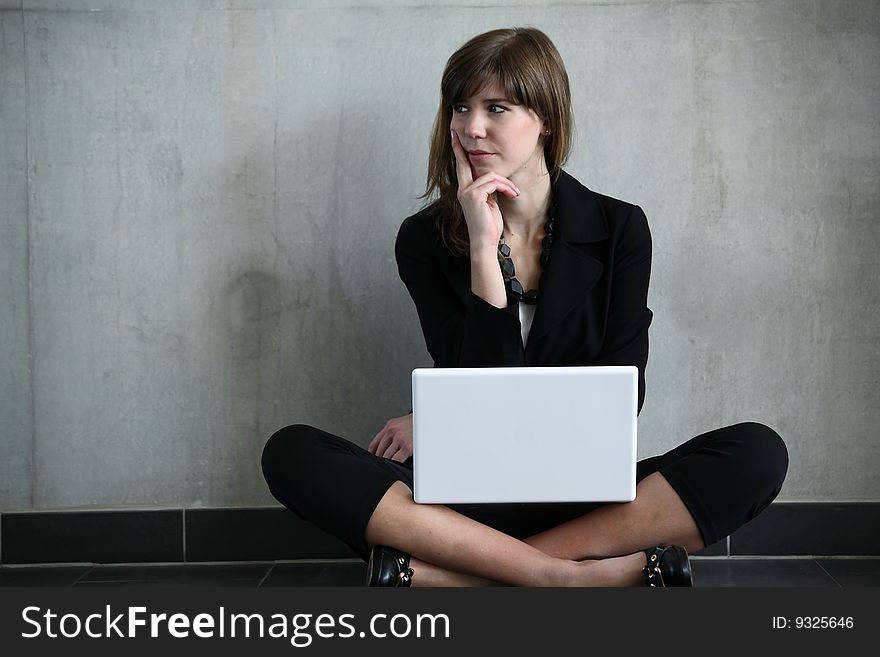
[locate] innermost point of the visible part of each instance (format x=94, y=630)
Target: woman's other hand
x=394, y=441
x=477, y=198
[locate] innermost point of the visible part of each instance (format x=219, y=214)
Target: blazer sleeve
x=626, y=332
x=457, y=334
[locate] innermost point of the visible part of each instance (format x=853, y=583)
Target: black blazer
x=593, y=296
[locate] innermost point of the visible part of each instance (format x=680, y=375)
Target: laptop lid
x=524, y=434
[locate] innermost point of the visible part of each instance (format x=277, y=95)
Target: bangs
x=472, y=77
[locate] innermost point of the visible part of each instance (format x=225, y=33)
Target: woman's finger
x=485, y=185
x=492, y=176
x=389, y=449
x=462, y=164
x=494, y=185
x=384, y=444
x=374, y=443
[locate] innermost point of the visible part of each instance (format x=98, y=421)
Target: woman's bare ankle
x=427, y=574
x=614, y=571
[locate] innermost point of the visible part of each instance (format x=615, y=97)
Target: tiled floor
x=724, y=572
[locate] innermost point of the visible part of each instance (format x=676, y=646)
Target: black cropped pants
x=725, y=477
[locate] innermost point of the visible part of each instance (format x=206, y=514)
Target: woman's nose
x=475, y=127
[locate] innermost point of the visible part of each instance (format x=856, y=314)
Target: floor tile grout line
x=260, y=583
x=833, y=579
x=79, y=579
x=146, y=564
x=265, y=562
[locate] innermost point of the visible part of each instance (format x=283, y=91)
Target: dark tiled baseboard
x=276, y=534
x=91, y=536
x=718, y=549
x=832, y=528
x=257, y=535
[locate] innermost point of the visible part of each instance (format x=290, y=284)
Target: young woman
x=517, y=263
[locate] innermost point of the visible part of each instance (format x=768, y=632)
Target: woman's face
x=499, y=135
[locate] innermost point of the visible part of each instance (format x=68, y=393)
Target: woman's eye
x=497, y=109
x=458, y=109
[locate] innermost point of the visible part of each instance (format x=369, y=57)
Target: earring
x=547, y=131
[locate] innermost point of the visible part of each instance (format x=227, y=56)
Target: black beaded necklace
x=508, y=271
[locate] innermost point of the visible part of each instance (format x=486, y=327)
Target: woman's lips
x=479, y=156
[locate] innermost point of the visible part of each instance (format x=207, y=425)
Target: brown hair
x=525, y=64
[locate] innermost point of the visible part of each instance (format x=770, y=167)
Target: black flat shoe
x=388, y=567
x=668, y=565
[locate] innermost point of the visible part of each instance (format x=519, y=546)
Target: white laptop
x=524, y=434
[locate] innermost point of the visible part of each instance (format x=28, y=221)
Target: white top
x=526, y=315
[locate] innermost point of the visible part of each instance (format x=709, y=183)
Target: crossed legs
x=733, y=474
x=450, y=549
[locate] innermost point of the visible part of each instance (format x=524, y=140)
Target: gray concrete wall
x=199, y=202
x=16, y=409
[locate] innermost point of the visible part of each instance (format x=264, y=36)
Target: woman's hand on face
x=477, y=198
x=394, y=441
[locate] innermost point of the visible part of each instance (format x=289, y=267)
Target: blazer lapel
x=573, y=270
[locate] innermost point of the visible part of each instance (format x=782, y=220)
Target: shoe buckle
x=404, y=576
x=653, y=574
x=660, y=575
